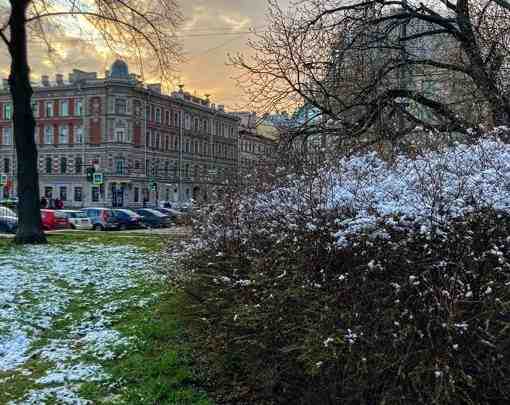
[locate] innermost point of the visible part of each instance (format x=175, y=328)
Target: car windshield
x=60, y=214
x=128, y=213
x=78, y=214
x=7, y=212
x=154, y=212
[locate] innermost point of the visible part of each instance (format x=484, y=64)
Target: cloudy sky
x=211, y=30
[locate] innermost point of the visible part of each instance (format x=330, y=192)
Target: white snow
x=38, y=285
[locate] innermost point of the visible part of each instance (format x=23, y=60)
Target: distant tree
x=357, y=63
x=143, y=29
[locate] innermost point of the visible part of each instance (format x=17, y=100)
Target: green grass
x=156, y=369
x=159, y=369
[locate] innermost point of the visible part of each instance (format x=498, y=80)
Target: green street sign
x=3, y=180
x=98, y=179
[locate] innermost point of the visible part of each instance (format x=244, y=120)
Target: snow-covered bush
x=363, y=282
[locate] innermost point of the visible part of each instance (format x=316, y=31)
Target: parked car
x=52, y=219
x=10, y=203
x=102, y=218
x=78, y=219
x=127, y=219
x=8, y=224
x=153, y=218
x=178, y=217
x=7, y=212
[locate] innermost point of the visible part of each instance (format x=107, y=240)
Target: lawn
x=88, y=319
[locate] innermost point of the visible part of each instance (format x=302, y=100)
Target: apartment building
x=148, y=146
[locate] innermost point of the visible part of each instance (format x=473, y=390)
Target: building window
x=49, y=165
x=95, y=194
x=187, y=149
x=195, y=124
x=167, y=167
x=63, y=165
x=63, y=134
x=77, y=107
x=78, y=134
x=7, y=111
x=120, y=106
x=120, y=167
x=186, y=170
x=48, y=134
x=48, y=192
x=137, y=164
x=35, y=108
x=63, y=193
x=120, y=135
x=176, y=119
x=147, y=167
x=78, y=194
x=7, y=165
x=187, y=121
x=7, y=136
x=137, y=194
x=167, y=117
x=78, y=163
x=49, y=108
x=158, y=114
x=64, y=108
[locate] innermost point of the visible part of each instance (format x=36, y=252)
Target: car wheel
x=73, y=226
x=123, y=227
x=98, y=227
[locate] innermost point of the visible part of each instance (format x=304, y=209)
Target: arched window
x=120, y=106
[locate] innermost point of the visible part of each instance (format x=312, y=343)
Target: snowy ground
x=59, y=306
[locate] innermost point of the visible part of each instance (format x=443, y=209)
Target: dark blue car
x=127, y=219
x=154, y=219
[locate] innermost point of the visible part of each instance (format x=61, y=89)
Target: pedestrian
x=167, y=205
x=52, y=203
x=44, y=202
x=59, y=204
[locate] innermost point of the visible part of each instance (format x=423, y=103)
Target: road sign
x=3, y=179
x=98, y=179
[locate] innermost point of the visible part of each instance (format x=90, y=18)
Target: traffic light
x=90, y=173
x=154, y=186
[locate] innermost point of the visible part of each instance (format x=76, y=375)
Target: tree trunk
x=29, y=214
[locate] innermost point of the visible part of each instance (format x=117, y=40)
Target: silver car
x=78, y=219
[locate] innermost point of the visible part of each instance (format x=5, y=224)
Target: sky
x=211, y=30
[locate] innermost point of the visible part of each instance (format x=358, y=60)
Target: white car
x=78, y=219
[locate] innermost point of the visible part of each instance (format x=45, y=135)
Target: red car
x=52, y=219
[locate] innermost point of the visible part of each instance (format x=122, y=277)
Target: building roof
x=119, y=70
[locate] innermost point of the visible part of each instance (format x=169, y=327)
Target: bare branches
x=367, y=64
x=144, y=31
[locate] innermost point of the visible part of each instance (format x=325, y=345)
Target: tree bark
x=29, y=214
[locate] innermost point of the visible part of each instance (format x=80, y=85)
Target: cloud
x=211, y=30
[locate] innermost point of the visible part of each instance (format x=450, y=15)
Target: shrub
x=302, y=293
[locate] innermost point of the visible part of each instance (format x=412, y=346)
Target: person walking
x=44, y=202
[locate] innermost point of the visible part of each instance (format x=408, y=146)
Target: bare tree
x=144, y=29
x=386, y=66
